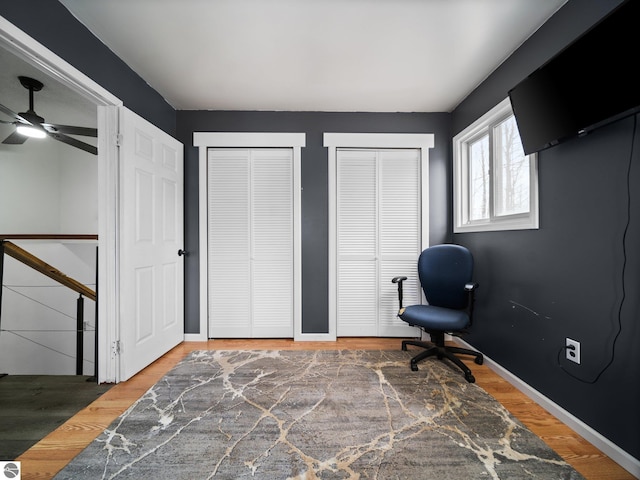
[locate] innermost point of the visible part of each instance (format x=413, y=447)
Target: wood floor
x=51, y=454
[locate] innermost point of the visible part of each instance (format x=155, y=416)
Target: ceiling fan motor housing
x=31, y=83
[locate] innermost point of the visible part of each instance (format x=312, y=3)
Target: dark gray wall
x=51, y=24
x=573, y=277
x=315, y=259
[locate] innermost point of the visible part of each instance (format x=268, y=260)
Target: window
x=495, y=183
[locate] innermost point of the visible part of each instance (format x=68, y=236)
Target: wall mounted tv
x=590, y=83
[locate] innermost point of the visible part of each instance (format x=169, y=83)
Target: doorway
x=378, y=191
x=250, y=242
x=111, y=247
x=266, y=143
x=378, y=236
x=84, y=97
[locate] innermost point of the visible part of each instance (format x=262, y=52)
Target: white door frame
x=204, y=140
x=333, y=141
x=22, y=45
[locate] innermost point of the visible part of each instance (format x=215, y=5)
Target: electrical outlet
x=573, y=350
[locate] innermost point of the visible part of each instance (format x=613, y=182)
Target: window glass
x=512, y=170
x=479, y=179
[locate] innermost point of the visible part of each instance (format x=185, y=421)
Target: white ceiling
x=313, y=55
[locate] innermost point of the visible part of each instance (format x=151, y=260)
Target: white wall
x=48, y=188
x=29, y=186
x=78, y=192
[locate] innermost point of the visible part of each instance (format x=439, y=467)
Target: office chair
x=445, y=273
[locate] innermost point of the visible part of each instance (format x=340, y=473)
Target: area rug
x=315, y=415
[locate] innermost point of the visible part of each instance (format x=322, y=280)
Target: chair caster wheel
x=414, y=367
x=470, y=378
x=479, y=360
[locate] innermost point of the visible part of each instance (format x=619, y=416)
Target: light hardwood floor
x=51, y=454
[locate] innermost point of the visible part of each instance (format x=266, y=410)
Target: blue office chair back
x=444, y=270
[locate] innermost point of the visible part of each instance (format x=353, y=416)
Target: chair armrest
x=470, y=288
x=399, y=281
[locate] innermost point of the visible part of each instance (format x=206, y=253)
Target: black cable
x=45, y=346
x=624, y=269
x=40, y=303
x=48, y=330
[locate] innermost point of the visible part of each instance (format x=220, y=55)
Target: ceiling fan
x=30, y=124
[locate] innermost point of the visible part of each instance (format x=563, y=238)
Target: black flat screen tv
x=590, y=83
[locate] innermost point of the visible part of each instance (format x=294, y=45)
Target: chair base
x=438, y=348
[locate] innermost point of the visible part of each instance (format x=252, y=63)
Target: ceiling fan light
x=30, y=131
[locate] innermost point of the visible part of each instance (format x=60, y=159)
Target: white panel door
x=251, y=243
x=151, y=220
x=378, y=237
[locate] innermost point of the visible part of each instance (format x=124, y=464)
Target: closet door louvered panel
x=357, y=244
x=399, y=235
x=250, y=243
x=378, y=237
x=399, y=204
x=357, y=204
x=272, y=242
x=229, y=243
x=389, y=324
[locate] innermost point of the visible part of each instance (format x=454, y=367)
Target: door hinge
x=115, y=348
x=117, y=139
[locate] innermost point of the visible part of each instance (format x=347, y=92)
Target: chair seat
x=435, y=318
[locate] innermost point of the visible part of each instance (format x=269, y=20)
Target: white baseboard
x=305, y=337
x=315, y=337
x=617, y=454
x=195, y=337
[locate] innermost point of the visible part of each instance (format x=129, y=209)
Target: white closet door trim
x=249, y=140
x=204, y=140
x=333, y=141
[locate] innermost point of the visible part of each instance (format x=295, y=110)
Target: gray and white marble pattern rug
x=315, y=415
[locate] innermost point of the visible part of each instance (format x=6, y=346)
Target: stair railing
x=30, y=260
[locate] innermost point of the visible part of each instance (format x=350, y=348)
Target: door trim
x=333, y=141
x=19, y=43
x=204, y=140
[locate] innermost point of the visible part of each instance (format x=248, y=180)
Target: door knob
x=182, y=252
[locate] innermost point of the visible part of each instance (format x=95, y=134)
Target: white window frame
x=461, y=206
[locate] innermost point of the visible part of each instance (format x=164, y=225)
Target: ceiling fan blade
x=13, y=114
x=9, y=112
x=73, y=142
x=70, y=130
x=18, y=116
x=15, y=139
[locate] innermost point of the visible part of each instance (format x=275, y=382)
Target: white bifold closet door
x=378, y=237
x=250, y=266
